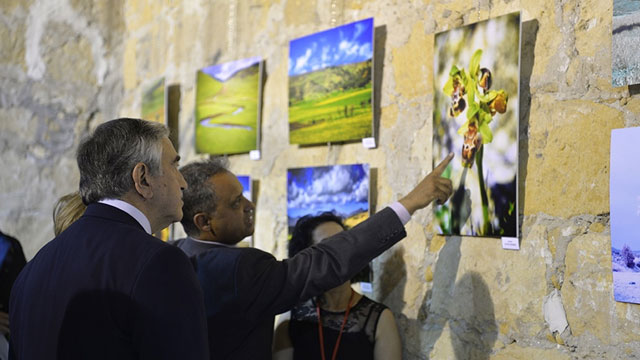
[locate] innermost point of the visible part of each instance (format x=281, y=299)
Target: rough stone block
x=587, y=292
x=517, y=352
x=12, y=46
x=569, y=156
x=413, y=74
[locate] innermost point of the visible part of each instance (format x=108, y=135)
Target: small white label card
x=369, y=142
x=254, y=154
x=510, y=243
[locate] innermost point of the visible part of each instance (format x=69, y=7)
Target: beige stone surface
x=516, y=352
x=593, y=27
x=389, y=116
x=76, y=55
x=412, y=71
x=588, y=293
x=513, y=280
x=12, y=47
x=547, y=45
x=8, y=6
x=572, y=134
x=633, y=105
x=301, y=12
x=437, y=242
x=140, y=13
x=129, y=64
x=626, y=323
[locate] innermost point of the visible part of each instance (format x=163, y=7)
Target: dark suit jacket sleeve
x=267, y=287
x=169, y=318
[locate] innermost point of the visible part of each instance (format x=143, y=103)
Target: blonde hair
x=67, y=210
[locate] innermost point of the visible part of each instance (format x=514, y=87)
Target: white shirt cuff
x=401, y=211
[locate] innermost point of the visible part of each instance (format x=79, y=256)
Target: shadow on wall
x=380, y=39
x=473, y=323
x=465, y=305
x=394, y=273
x=529, y=34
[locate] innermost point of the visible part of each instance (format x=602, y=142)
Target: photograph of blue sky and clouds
x=342, y=189
x=347, y=44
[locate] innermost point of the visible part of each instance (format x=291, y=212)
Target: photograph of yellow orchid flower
x=476, y=77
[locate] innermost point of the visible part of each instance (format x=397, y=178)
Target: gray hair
x=107, y=157
x=199, y=196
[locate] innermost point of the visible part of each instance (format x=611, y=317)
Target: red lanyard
x=344, y=321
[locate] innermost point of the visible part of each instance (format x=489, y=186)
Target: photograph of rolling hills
x=341, y=189
x=228, y=107
x=330, y=85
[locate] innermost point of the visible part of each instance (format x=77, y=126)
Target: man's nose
x=250, y=206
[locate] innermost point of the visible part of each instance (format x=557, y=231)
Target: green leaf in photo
x=474, y=64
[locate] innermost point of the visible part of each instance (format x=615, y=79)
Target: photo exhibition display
x=228, y=100
x=331, y=85
x=476, y=85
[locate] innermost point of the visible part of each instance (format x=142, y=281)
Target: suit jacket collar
x=193, y=247
x=111, y=213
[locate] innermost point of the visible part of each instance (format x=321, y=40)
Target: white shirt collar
x=210, y=242
x=131, y=210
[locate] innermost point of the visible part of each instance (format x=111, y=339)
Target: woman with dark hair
x=339, y=324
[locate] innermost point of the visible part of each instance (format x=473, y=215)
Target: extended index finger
x=443, y=165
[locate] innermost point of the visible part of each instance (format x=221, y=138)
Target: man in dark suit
x=244, y=288
x=105, y=288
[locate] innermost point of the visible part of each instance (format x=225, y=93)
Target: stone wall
x=60, y=76
x=68, y=65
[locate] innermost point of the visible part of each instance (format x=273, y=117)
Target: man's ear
x=140, y=175
x=202, y=222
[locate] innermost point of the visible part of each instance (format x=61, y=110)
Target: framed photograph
x=624, y=197
x=331, y=85
x=625, y=56
x=228, y=100
x=154, y=102
x=245, y=180
x=341, y=189
x=476, y=87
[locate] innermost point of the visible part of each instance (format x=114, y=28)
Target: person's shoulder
x=162, y=260
x=177, y=242
x=160, y=249
x=303, y=309
x=233, y=251
x=231, y=257
x=366, y=301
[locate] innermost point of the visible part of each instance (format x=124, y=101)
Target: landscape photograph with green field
x=330, y=85
x=153, y=102
x=228, y=107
